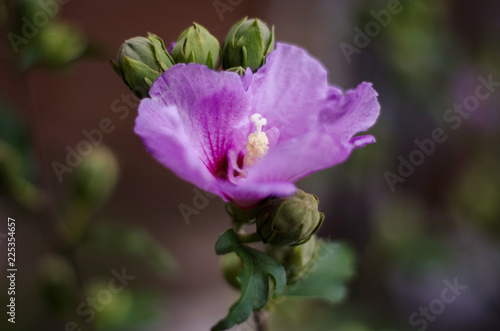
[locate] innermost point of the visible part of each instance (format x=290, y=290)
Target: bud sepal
x=247, y=44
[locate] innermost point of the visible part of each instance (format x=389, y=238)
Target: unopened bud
x=247, y=44
x=197, y=45
x=141, y=61
x=297, y=260
x=289, y=221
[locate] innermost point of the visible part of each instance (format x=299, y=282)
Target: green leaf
x=334, y=268
x=161, y=54
x=254, y=279
x=135, y=72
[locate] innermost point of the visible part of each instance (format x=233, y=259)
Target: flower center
x=257, y=143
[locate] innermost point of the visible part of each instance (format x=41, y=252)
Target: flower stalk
x=248, y=238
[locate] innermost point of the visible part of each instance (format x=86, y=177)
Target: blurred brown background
x=441, y=223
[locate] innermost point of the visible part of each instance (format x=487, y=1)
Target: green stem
x=238, y=227
x=260, y=320
x=248, y=238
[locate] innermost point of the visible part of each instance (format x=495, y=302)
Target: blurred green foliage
x=41, y=38
x=258, y=267
x=65, y=277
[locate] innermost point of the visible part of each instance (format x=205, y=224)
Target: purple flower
x=250, y=137
x=171, y=47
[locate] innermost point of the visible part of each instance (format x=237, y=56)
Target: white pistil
x=257, y=143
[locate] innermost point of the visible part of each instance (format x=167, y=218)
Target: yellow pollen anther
x=257, y=143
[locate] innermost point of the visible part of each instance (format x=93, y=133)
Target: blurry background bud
x=117, y=306
x=4, y=13
x=197, y=45
x=96, y=177
x=58, y=44
x=170, y=48
x=58, y=284
x=297, y=260
x=247, y=44
x=12, y=181
x=289, y=221
x=141, y=61
x=10, y=166
x=92, y=184
x=241, y=215
x=162, y=55
x=231, y=265
x=52, y=43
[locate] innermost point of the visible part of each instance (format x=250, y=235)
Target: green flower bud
x=117, y=310
x=197, y=45
x=141, y=61
x=58, y=283
x=247, y=44
x=297, y=260
x=289, y=221
x=231, y=265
